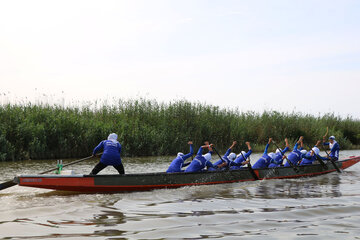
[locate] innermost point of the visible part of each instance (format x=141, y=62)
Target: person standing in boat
x=228, y=156
x=279, y=156
x=178, y=162
x=201, y=161
x=110, y=156
x=297, y=154
x=265, y=159
x=334, y=147
x=240, y=161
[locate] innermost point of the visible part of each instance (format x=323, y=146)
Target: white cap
x=272, y=155
x=316, y=150
x=207, y=156
x=112, y=136
x=332, y=137
x=180, y=154
x=232, y=156
x=278, y=150
x=303, y=151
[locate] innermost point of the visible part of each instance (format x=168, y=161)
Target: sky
x=254, y=55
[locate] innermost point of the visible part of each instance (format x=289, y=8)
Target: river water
x=323, y=207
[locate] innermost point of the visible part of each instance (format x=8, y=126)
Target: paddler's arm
x=98, y=148
x=191, y=151
x=267, y=146
x=287, y=148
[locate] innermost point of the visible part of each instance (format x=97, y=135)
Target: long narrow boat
x=149, y=181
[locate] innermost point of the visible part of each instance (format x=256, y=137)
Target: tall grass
x=147, y=127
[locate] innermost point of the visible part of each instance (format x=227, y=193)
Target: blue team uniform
x=334, y=149
x=236, y=164
x=111, y=155
x=308, y=159
x=264, y=161
x=295, y=156
x=199, y=163
x=178, y=162
x=277, y=161
x=225, y=158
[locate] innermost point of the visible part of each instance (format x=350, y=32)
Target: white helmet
x=316, y=150
x=232, y=156
x=207, y=156
x=303, y=151
x=272, y=155
x=278, y=150
x=180, y=154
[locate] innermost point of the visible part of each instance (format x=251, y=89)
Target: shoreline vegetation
x=149, y=128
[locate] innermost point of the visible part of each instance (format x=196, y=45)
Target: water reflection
x=324, y=186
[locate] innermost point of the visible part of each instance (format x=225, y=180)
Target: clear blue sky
x=251, y=54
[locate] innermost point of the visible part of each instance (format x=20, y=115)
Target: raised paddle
x=11, y=183
x=290, y=163
x=319, y=159
x=251, y=170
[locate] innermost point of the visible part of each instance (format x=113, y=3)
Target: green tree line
x=149, y=128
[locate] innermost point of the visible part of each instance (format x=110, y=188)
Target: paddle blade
x=7, y=184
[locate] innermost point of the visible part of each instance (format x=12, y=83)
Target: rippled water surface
x=323, y=207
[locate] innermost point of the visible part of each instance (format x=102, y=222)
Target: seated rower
x=201, y=161
x=312, y=155
x=178, y=162
x=297, y=154
x=228, y=156
x=334, y=147
x=265, y=159
x=240, y=161
x=279, y=156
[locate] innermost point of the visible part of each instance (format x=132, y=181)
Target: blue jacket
x=236, y=164
x=295, y=156
x=178, y=162
x=225, y=158
x=111, y=155
x=308, y=159
x=334, y=151
x=277, y=161
x=199, y=163
x=264, y=161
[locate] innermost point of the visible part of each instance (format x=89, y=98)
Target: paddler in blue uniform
x=178, y=162
x=228, y=157
x=265, y=159
x=334, y=147
x=201, y=161
x=279, y=155
x=312, y=155
x=240, y=161
x=110, y=156
x=297, y=154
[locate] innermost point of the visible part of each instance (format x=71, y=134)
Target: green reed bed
x=148, y=128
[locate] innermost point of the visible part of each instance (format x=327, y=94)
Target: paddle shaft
x=332, y=161
x=65, y=165
x=251, y=170
x=290, y=163
x=11, y=183
x=218, y=153
x=319, y=159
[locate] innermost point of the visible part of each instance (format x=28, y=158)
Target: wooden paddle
x=319, y=159
x=290, y=163
x=251, y=170
x=332, y=161
x=11, y=183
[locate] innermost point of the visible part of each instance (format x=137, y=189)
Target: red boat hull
x=149, y=181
